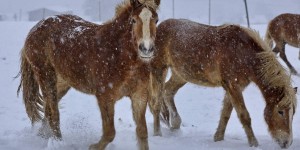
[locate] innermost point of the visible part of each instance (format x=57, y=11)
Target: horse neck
x=119, y=25
x=268, y=90
x=272, y=83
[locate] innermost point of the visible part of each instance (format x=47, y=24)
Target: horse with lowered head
x=227, y=56
x=109, y=61
x=284, y=29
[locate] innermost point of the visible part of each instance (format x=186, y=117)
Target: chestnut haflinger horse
x=109, y=61
x=229, y=56
x=284, y=29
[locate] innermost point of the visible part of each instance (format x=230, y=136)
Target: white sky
x=222, y=11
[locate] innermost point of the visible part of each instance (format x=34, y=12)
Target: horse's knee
x=142, y=132
x=245, y=119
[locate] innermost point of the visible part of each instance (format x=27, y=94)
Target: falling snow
x=81, y=123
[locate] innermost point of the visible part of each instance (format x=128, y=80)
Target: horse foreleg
x=242, y=112
x=139, y=104
x=171, y=88
x=298, y=35
x=106, y=106
x=299, y=51
x=225, y=115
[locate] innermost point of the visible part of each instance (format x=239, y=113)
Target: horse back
x=206, y=55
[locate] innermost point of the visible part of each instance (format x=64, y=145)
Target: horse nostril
x=142, y=47
x=151, y=49
x=285, y=144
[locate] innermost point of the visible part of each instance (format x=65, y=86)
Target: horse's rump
x=285, y=28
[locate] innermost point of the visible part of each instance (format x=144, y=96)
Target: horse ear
x=157, y=2
x=295, y=90
x=134, y=3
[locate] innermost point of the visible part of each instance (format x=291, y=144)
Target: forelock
x=145, y=14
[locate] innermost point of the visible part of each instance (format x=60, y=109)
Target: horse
x=228, y=56
x=109, y=61
x=284, y=29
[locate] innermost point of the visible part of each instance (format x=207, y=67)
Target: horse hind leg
x=171, y=88
x=47, y=81
x=62, y=89
x=298, y=35
x=225, y=115
x=238, y=103
x=157, y=79
x=280, y=47
x=106, y=105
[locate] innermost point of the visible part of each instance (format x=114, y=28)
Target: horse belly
x=200, y=76
x=293, y=41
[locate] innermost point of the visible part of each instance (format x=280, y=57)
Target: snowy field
x=81, y=126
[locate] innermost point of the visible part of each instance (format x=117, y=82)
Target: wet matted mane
x=272, y=71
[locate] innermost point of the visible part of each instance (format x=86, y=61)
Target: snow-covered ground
x=81, y=126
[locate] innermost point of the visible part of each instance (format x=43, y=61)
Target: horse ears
x=134, y=3
x=157, y=2
x=295, y=90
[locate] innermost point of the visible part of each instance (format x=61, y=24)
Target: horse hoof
x=218, y=137
x=157, y=133
x=253, y=143
x=175, y=122
x=294, y=72
x=94, y=146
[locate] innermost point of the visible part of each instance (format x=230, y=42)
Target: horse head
x=279, y=116
x=143, y=19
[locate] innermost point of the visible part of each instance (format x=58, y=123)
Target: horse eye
x=280, y=112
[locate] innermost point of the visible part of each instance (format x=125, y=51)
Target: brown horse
x=229, y=56
x=284, y=29
x=109, y=61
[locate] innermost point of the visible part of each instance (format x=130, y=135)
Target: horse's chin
x=146, y=59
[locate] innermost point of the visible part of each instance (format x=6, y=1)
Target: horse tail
x=164, y=113
x=268, y=39
x=31, y=95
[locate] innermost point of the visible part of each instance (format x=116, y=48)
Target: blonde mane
x=272, y=72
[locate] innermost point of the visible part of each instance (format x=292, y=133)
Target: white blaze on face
x=145, y=16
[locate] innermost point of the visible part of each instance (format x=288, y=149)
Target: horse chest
x=133, y=79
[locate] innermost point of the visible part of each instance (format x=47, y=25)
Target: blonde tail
x=31, y=95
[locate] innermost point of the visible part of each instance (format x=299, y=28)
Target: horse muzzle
x=285, y=144
x=284, y=141
x=146, y=53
